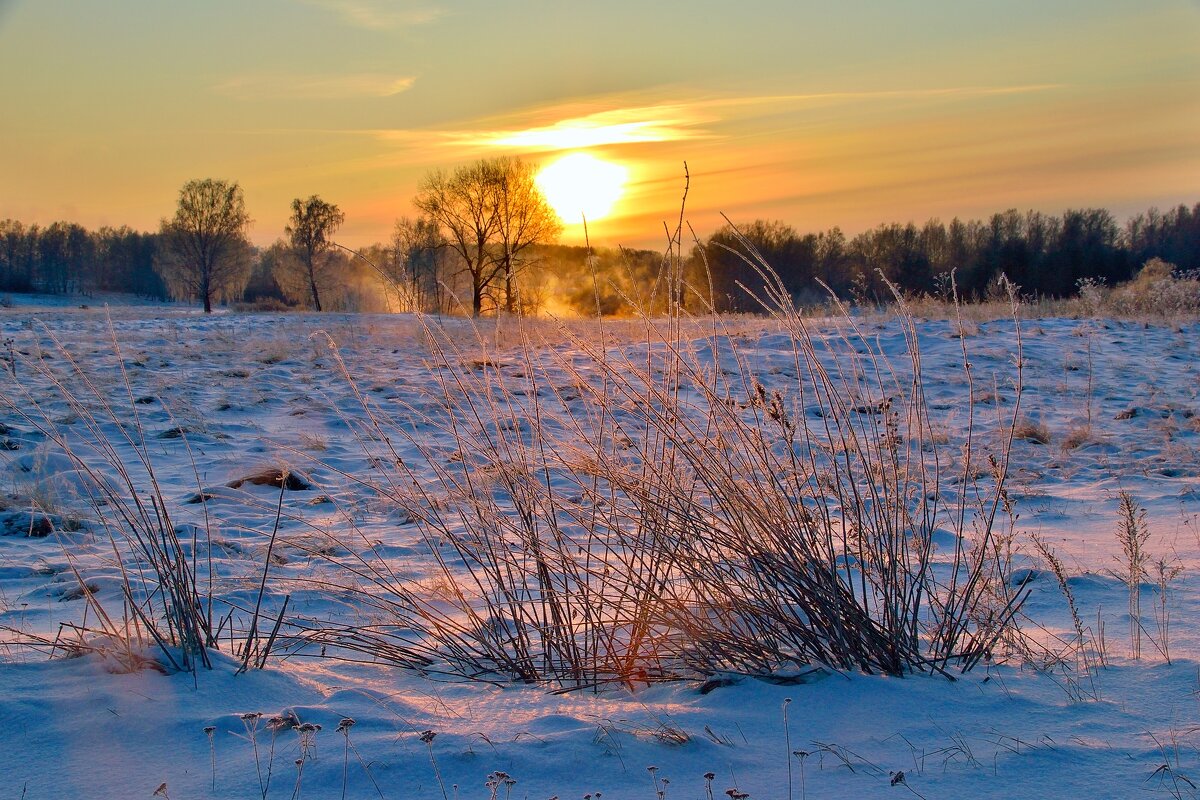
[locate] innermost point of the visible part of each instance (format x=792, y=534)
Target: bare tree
x=414, y=264
x=489, y=212
x=262, y=284
x=311, y=270
x=525, y=219
x=463, y=206
x=203, y=251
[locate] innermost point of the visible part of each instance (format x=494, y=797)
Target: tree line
x=484, y=243
x=66, y=258
x=1046, y=256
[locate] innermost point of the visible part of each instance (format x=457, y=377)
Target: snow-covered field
x=221, y=398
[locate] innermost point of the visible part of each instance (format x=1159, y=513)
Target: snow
x=251, y=392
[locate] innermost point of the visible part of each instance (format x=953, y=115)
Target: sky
x=817, y=114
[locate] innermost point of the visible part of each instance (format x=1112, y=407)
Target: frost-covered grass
x=416, y=438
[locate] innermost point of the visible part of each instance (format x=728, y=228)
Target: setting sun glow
x=581, y=185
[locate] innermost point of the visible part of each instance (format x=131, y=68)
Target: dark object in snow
x=29, y=524
x=1020, y=577
x=717, y=683
x=795, y=679
x=873, y=408
x=273, y=476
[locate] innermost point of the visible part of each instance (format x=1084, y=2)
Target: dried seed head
x=427, y=738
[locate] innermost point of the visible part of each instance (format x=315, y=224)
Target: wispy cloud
x=611, y=127
x=963, y=92
x=634, y=119
x=379, y=14
x=314, y=87
x=570, y=126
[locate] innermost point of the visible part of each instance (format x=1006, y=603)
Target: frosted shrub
x=1159, y=289
x=1092, y=295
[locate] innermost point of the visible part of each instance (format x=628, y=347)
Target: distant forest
x=1046, y=256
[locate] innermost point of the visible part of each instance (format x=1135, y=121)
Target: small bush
x=1158, y=290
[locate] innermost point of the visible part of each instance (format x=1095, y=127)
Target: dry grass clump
x=166, y=604
x=968, y=317
x=678, y=513
x=313, y=442
x=1030, y=431
x=1159, y=290
x=1076, y=437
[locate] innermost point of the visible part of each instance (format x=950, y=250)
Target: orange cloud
x=613, y=127
x=578, y=125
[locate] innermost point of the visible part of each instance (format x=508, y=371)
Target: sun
x=581, y=185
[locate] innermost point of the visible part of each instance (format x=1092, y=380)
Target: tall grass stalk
x=1089, y=653
x=1164, y=573
x=1133, y=533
